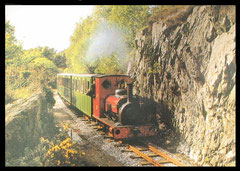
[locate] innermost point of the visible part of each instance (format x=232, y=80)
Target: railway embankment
x=27, y=120
x=187, y=67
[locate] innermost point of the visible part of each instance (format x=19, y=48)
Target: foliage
x=128, y=18
x=155, y=69
x=13, y=50
x=108, y=65
x=57, y=151
x=27, y=71
x=60, y=60
x=43, y=71
x=33, y=68
x=79, y=42
x=62, y=154
x=49, y=97
x=170, y=14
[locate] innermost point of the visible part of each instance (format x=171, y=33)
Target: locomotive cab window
x=106, y=84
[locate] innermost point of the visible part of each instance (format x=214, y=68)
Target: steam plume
x=107, y=40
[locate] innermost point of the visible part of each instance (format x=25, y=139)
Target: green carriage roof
x=88, y=75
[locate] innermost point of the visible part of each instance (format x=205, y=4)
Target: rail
x=154, y=153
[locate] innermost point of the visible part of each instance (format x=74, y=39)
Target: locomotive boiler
x=120, y=107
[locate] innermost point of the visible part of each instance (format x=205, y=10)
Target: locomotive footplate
x=130, y=131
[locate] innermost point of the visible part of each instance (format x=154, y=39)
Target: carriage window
x=79, y=85
x=82, y=85
x=75, y=85
x=68, y=81
x=72, y=84
x=106, y=84
x=86, y=86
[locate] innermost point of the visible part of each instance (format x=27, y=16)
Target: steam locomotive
x=108, y=100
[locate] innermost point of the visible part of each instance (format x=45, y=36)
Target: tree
x=13, y=50
x=60, y=60
x=108, y=65
x=49, y=53
x=43, y=72
x=75, y=54
x=130, y=18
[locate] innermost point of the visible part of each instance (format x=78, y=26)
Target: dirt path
x=94, y=156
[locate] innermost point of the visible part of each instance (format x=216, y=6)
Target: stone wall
x=26, y=120
x=188, y=70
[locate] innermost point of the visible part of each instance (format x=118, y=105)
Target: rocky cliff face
x=188, y=70
x=26, y=121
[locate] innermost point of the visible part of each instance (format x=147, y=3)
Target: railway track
x=150, y=154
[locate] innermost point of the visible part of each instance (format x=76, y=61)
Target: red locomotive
x=107, y=99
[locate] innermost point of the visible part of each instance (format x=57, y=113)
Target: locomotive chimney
x=129, y=91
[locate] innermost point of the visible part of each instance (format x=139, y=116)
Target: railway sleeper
x=158, y=161
x=94, y=125
x=149, y=155
x=139, y=149
x=128, y=150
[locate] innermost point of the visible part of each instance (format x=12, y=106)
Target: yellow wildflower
x=66, y=126
x=58, y=162
x=42, y=139
x=49, y=151
x=72, y=151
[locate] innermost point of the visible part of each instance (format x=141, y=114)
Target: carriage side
x=64, y=86
x=81, y=98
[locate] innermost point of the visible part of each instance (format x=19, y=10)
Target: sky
x=45, y=25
